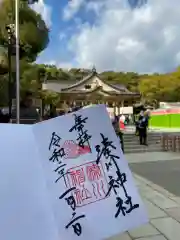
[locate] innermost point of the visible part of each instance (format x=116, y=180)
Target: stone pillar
x=118, y=109
x=71, y=104
x=65, y=106
x=122, y=106
x=114, y=108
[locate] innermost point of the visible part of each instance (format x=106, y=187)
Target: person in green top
x=28, y=112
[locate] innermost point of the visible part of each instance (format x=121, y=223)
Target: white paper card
x=91, y=187
x=25, y=210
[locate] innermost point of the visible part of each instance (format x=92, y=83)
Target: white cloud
x=45, y=11
x=72, y=8
x=95, y=6
x=143, y=40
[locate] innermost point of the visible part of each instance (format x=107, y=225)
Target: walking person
x=143, y=125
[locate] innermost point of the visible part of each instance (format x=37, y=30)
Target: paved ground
x=164, y=214
x=161, y=168
x=152, y=157
x=163, y=206
x=163, y=173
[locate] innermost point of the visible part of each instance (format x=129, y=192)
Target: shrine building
x=92, y=90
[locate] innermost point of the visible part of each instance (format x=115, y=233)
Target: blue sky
x=111, y=35
x=61, y=30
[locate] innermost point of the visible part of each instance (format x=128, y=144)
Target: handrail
x=171, y=142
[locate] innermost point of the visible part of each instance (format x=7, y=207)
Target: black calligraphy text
x=56, y=157
x=124, y=206
x=72, y=203
x=79, y=126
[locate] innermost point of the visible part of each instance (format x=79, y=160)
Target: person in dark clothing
x=143, y=125
x=52, y=114
x=46, y=117
x=4, y=118
x=28, y=112
x=141, y=115
x=61, y=112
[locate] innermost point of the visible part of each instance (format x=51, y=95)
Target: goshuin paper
x=92, y=191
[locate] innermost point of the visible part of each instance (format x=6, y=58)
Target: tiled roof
x=106, y=92
x=67, y=85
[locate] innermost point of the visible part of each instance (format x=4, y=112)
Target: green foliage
x=162, y=87
x=3, y=60
x=34, y=38
x=34, y=75
x=130, y=79
x=33, y=31
x=50, y=97
x=3, y=90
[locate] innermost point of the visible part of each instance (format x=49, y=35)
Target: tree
x=33, y=39
x=129, y=79
x=161, y=87
x=30, y=79
x=78, y=74
x=50, y=97
x=3, y=90
x=33, y=31
x=3, y=60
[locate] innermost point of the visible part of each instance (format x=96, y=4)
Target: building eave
x=100, y=90
x=94, y=74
